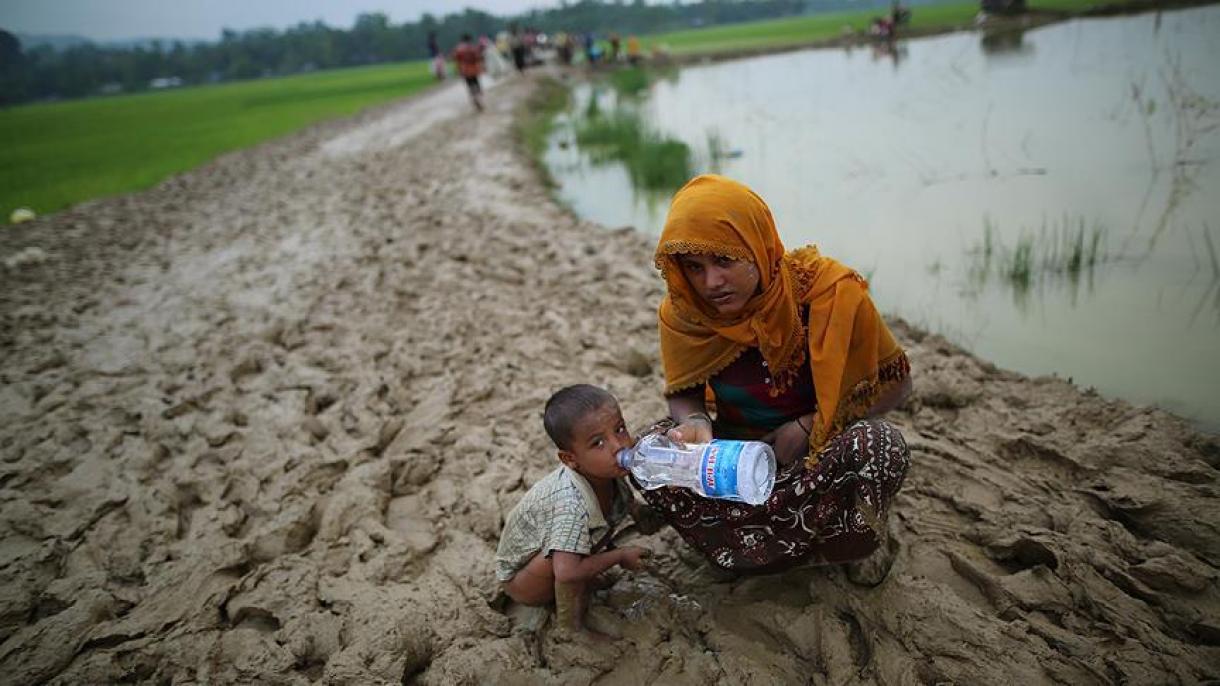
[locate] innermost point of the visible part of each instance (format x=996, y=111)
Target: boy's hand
x=633, y=557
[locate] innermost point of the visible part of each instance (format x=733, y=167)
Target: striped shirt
x=560, y=512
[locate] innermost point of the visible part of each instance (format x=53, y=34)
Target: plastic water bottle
x=732, y=470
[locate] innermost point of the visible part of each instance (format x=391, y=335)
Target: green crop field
x=57, y=154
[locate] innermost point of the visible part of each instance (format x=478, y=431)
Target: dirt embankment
x=262, y=424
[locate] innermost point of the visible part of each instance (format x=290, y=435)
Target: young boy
x=555, y=540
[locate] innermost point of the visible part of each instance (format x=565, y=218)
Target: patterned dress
x=831, y=512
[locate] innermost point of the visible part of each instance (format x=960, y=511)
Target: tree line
x=43, y=73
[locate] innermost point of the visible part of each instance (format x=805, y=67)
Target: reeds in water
x=1066, y=249
x=653, y=161
x=631, y=81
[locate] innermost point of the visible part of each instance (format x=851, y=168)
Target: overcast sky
x=105, y=20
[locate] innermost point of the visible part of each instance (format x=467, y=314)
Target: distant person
x=882, y=28
x=591, y=50
x=438, y=60
x=530, y=40
x=559, y=537
x=469, y=59
x=633, y=51
x=493, y=62
x=900, y=15
x=516, y=45
x=563, y=47
x=615, y=45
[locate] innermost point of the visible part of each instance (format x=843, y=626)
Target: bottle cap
x=623, y=457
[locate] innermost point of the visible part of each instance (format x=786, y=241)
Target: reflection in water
x=1005, y=43
x=1193, y=119
x=719, y=152
x=1107, y=123
x=895, y=51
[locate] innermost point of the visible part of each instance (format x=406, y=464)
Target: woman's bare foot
x=872, y=570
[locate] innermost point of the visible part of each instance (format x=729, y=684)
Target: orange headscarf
x=852, y=353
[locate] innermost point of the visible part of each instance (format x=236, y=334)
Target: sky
x=105, y=20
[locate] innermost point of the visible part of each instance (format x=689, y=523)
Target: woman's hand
x=688, y=410
x=695, y=429
x=790, y=441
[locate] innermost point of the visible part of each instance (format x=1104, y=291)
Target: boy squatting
x=556, y=540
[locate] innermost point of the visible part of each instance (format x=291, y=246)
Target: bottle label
x=719, y=468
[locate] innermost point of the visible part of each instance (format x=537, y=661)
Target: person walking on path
x=517, y=46
x=785, y=347
x=493, y=63
x=434, y=53
x=469, y=59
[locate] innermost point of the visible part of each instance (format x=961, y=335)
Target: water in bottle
x=732, y=470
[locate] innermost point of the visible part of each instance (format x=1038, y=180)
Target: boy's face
x=596, y=438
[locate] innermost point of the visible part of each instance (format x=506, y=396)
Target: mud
x=262, y=424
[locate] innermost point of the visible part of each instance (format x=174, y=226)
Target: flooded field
x=1048, y=199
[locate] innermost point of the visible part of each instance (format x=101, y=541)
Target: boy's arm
x=576, y=568
x=573, y=571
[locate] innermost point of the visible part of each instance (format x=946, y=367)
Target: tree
x=12, y=69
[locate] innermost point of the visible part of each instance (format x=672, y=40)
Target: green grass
x=536, y=119
x=653, y=161
x=630, y=81
x=1019, y=268
x=57, y=154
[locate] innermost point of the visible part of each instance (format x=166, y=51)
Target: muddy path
x=262, y=423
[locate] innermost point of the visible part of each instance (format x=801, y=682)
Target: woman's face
x=723, y=282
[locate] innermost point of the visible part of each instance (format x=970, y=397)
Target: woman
x=786, y=348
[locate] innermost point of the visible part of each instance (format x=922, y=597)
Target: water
x=901, y=164
x=731, y=470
